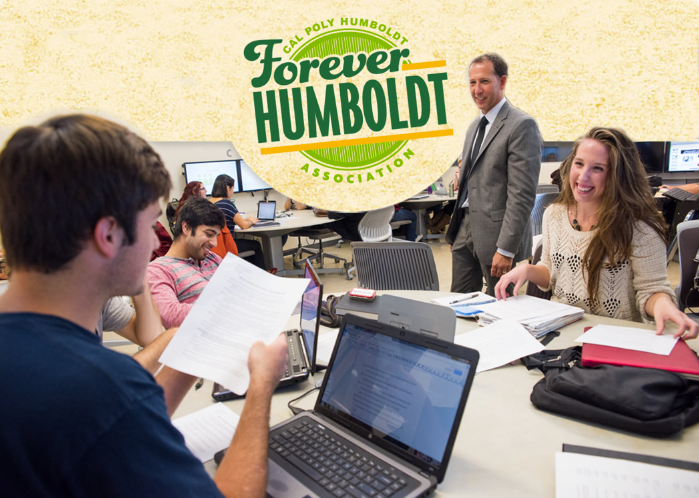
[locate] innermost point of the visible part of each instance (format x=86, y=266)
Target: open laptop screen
x=266, y=210
x=310, y=308
x=406, y=394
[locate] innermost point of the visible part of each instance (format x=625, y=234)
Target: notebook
x=391, y=404
x=301, y=343
x=682, y=360
x=266, y=211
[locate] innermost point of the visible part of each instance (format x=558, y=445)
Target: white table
x=272, y=236
x=419, y=206
x=505, y=446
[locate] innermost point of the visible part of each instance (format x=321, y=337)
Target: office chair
x=533, y=289
x=170, y=213
x=316, y=235
x=688, y=243
x=547, y=189
x=540, y=204
x=395, y=266
x=376, y=225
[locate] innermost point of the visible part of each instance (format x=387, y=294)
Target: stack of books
x=538, y=316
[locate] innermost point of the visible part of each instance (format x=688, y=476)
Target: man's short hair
x=499, y=64
x=60, y=178
x=197, y=211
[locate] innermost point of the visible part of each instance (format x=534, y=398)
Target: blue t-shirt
x=229, y=211
x=78, y=419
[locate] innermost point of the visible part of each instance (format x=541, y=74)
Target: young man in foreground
x=79, y=419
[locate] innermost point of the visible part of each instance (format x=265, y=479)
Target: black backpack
x=646, y=401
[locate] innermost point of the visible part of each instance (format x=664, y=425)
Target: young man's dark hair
x=197, y=211
x=220, y=186
x=50, y=183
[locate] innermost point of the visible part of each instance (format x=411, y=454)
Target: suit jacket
x=501, y=185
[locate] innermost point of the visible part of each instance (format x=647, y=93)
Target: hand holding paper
x=240, y=306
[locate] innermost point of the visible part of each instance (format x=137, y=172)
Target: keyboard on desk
x=335, y=464
x=266, y=224
x=680, y=195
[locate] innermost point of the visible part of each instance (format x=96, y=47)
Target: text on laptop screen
x=265, y=210
x=404, y=393
x=309, y=314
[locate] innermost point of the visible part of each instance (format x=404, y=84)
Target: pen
x=465, y=298
x=199, y=383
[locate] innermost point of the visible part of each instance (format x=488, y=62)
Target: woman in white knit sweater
x=603, y=239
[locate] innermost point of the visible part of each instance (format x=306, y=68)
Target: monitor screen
x=250, y=181
x=555, y=152
x=652, y=155
x=310, y=310
x=683, y=157
x=206, y=172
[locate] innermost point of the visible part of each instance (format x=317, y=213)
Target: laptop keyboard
x=337, y=465
x=678, y=194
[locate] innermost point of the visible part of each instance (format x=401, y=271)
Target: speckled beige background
x=175, y=71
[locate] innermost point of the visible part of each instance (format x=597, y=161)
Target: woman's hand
x=664, y=309
x=516, y=276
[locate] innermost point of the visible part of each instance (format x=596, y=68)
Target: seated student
x=409, y=230
x=140, y=325
x=603, y=239
x=177, y=279
x=101, y=426
x=221, y=196
x=192, y=189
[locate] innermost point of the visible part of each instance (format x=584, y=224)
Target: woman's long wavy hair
x=626, y=200
x=191, y=189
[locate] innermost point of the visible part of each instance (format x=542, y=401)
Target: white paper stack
x=538, y=316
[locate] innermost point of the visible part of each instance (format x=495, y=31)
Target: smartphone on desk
x=220, y=393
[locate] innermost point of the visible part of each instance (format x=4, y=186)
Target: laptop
x=385, y=420
x=301, y=343
x=266, y=212
x=424, y=318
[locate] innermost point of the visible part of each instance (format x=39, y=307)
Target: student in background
x=196, y=189
x=603, y=239
x=221, y=197
x=102, y=425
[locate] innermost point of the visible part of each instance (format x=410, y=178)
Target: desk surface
x=505, y=446
x=298, y=219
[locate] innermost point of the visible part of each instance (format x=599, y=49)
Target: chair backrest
x=395, y=266
x=170, y=213
x=688, y=242
x=533, y=289
x=546, y=189
x=376, y=225
x=540, y=204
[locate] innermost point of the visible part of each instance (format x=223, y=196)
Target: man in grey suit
x=490, y=228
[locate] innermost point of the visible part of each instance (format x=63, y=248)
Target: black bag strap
x=553, y=359
x=328, y=312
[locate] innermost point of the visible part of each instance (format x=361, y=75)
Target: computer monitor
x=555, y=152
x=683, y=157
x=207, y=171
x=652, y=156
x=250, y=182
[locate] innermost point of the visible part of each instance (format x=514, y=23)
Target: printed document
x=241, y=305
x=208, y=431
x=583, y=476
x=629, y=338
x=500, y=343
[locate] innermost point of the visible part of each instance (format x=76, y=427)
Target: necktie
x=471, y=159
x=479, y=141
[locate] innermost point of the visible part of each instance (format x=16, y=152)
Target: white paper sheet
x=241, y=305
x=525, y=307
x=500, y=343
x=629, y=338
x=326, y=344
x=208, y=431
x=584, y=476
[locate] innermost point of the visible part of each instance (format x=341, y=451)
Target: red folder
x=681, y=360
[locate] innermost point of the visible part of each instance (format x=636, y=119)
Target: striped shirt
x=176, y=284
x=229, y=211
